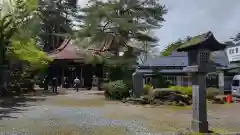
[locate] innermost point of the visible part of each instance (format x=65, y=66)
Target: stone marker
x=137, y=84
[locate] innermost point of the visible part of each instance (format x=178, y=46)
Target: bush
x=116, y=90
x=159, y=81
x=166, y=95
x=147, y=88
x=211, y=93
x=182, y=89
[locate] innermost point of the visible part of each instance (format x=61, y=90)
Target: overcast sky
x=192, y=17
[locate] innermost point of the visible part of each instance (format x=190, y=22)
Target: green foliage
x=56, y=21
x=147, y=89
x=18, y=26
x=116, y=90
x=172, y=47
x=21, y=82
x=158, y=81
x=120, y=20
x=17, y=30
x=182, y=89
x=27, y=51
x=211, y=93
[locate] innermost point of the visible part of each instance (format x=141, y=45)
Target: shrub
x=211, y=93
x=166, y=95
x=116, y=90
x=159, y=81
x=147, y=88
x=182, y=89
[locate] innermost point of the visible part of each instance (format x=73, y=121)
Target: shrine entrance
x=69, y=63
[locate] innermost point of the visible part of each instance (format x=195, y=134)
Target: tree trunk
x=2, y=68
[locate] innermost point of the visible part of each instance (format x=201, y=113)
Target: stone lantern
x=199, y=49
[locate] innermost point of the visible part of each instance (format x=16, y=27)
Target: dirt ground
x=88, y=113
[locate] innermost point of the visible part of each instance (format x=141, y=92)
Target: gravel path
x=87, y=113
x=51, y=117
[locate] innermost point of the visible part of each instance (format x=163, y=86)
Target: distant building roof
x=180, y=59
x=166, y=61
x=178, y=54
x=162, y=71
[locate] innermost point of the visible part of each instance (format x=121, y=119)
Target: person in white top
x=77, y=83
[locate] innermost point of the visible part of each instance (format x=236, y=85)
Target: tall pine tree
x=56, y=22
x=120, y=21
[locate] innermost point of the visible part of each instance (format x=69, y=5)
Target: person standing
x=45, y=83
x=54, y=85
x=66, y=83
x=77, y=83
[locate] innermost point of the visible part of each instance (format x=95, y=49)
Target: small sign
x=233, y=53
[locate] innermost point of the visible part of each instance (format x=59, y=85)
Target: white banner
x=233, y=53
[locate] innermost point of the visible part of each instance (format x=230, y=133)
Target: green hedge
x=182, y=89
x=210, y=92
x=116, y=90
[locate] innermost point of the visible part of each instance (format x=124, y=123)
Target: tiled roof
x=66, y=51
x=167, y=61
x=178, y=54
x=181, y=60
x=193, y=41
x=200, y=41
x=162, y=71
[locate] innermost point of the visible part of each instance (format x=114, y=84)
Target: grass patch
x=220, y=131
x=78, y=103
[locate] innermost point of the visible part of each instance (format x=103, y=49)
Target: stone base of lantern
x=200, y=126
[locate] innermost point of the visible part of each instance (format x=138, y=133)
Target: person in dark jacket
x=54, y=85
x=45, y=83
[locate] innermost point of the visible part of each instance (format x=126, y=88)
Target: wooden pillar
x=62, y=76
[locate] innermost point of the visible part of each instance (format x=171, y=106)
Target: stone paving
x=87, y=113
